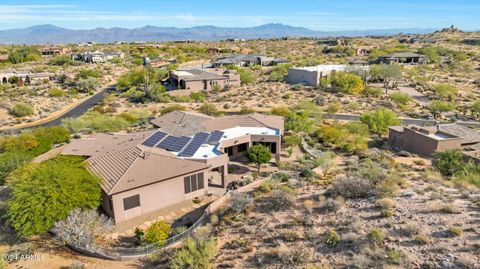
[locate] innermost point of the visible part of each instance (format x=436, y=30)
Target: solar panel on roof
x=194, y=144
x=167, y=142
x=180, y=143
x=215, y=137
x=153, y=139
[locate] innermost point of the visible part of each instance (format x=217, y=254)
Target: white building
x=311, y=75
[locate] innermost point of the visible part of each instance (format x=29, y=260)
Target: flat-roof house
x=188, y=153
x=54, y=50
x=427, y=140
x=403, y=58
x=311, y=75
x=6, y=74
x=98, y=56
x=202, y=79
x=246, y=60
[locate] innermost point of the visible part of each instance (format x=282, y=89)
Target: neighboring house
x=97, y=56
x=54, y=50
x=427, y=140
x=311, y=75
x=246, y=60
x=471, y=41
x=202, y=79
x=329, y=42
x=189, y=153
x=417, y=40
x=6, y=74
x=362, y=51
x=3, y=57
x=403, y=58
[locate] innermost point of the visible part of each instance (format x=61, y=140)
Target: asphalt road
x=74, y=112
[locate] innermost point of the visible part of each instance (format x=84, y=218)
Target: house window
x=229, y=151
x=242, y=147
x=193, y=183
x=131, y=202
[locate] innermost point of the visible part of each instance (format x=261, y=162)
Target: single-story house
x=403, y=58
x=202, y=79
x=6, y=74
x=187, y=155
x=54, y=50
x=97, y=56
x=246, y=60
x=427, y=140
x=311, y=75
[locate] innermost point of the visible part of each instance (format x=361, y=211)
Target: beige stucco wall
x=298, y=76
x=155, y=196
x=424, y=145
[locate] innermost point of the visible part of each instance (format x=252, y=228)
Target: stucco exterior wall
x=155, y=196
x=299, y=76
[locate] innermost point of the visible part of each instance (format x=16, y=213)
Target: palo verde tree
x=387, y=73
x=45, y=193
x=259, y=154
x=379, y=120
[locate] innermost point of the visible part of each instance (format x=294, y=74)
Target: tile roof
x=188, y=123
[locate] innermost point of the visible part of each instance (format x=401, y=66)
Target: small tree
x=401, y=99
x=82, y=227
x=246, y=77
x=347, y=82
x=437, y=107
x=325, y=161
x=157, y=232
x=448, y=162
x=259, y=154
x=388, y=73
x=379, y=120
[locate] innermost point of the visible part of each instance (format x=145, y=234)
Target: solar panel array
x=194, y=145
x=152, y=140
x=179, y=143
x=167, y=142
x=215, y=137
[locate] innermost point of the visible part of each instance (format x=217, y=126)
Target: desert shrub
x=376, y=236
x=438, y=106
x=445, y=91
x=351, y=137
x=333, y=205
x=422, y=239
x=455, y=231
x=412, y=229
x=59, y=185
x=325, y=161
x=448, y=162
x=246, y=110
x=61, y=60
x=385, y=203
x=172, y=108
x=401, y=99
x=139, y=235
x=307, y=173
x=294, y=257
x=280, y=200
x=373, y=92
x=157, y=232
x=94, y=121
x=351, y=188
x=333, y=107
x=82, y=227
x=246, y=76
x=332, y=239
x=22, y=110
x=387, y=213
x=209, y=109
x=197, y=96
x=56, y=92
x=195, y=254
x=398, y=257
x=240, y=201
x=77, y=265
x=347, y=82
x=11, y=161
x=281, y=176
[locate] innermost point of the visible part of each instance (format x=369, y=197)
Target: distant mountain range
x=56, y=35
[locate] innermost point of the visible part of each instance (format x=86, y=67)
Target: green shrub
x=455, y=231
x=195, y=254
x=400, y=98
x=376, y=236
x=158, y=232
x=387, y=213
x=332, y=239
x=448, y=162
x=197, y=96
x=56, y=92
x=58, y=185
x=209, y=109
x=379, y=120
x=395, y=256
x=94, y=121
x=172, y=108
x=22, y=110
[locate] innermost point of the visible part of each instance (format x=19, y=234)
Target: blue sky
x=314, y=14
